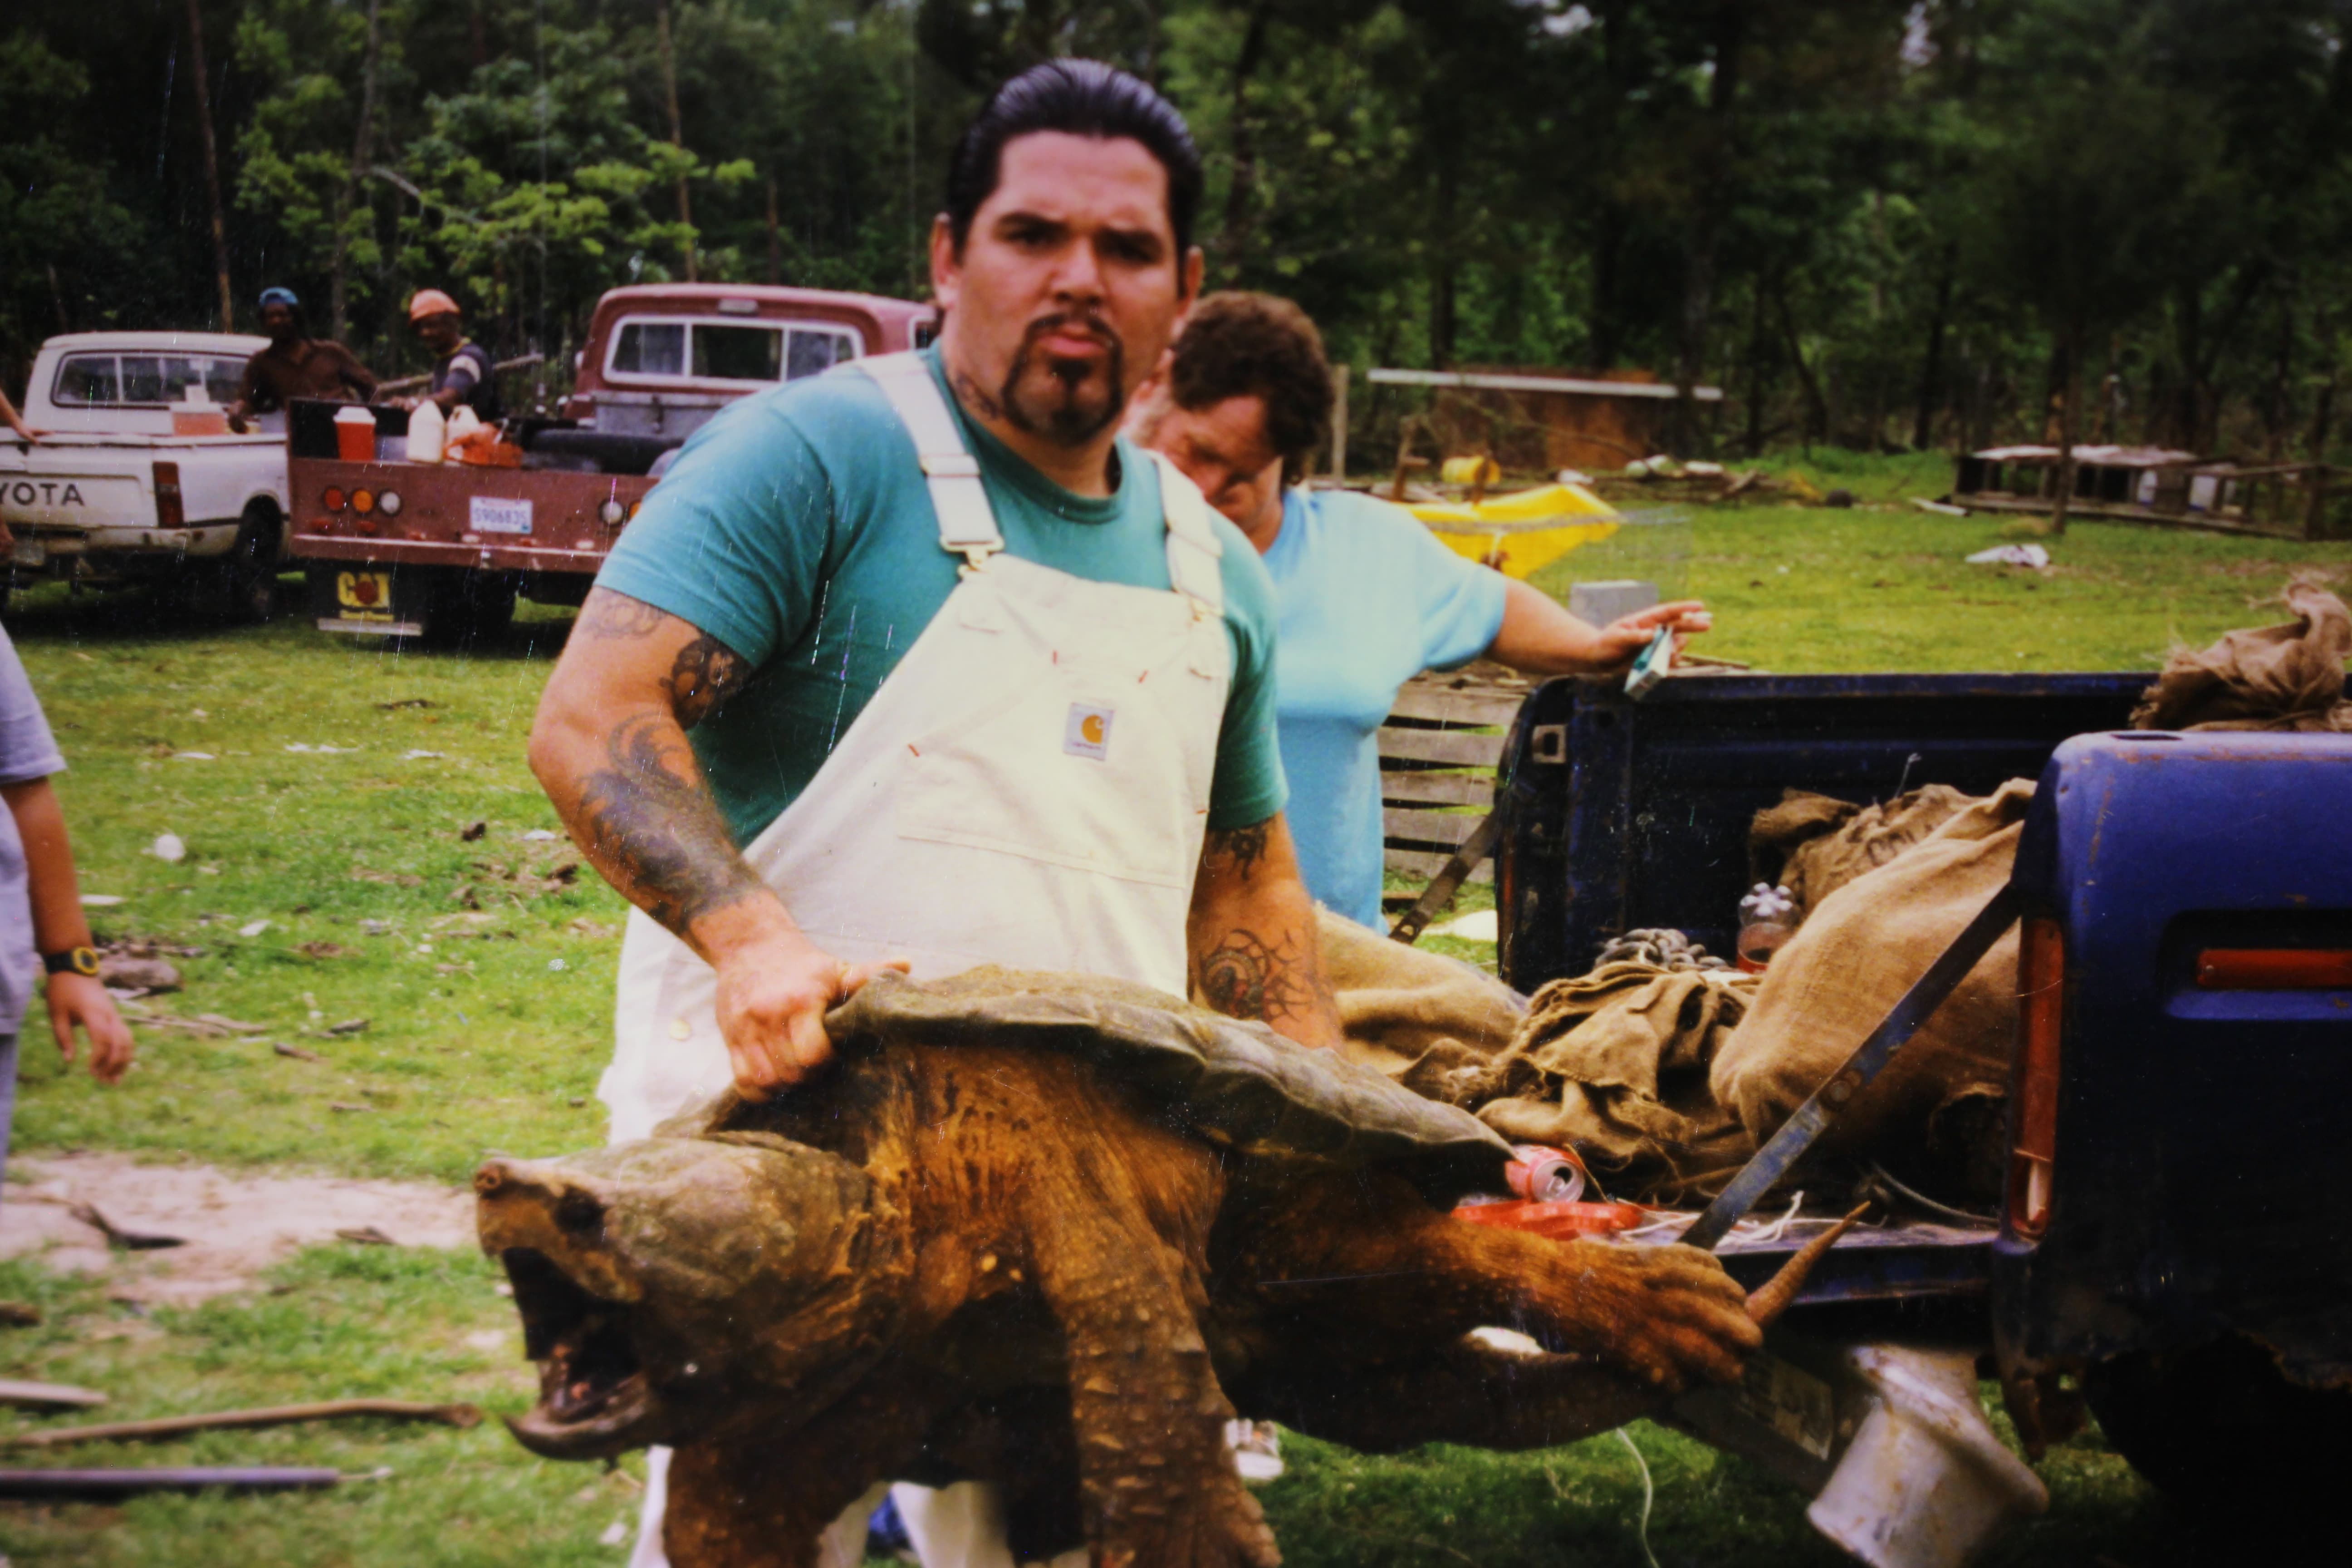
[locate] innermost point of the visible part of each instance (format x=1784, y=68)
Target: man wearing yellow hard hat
x=463, y=372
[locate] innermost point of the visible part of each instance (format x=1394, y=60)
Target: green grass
x=1822, y=590
x=484, y=1043
x=357, y=1322
x=487, y=996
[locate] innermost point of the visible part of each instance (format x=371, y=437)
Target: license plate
x=491, y=514
x=29, y=552
x=364, y=595
x=1790, y=1401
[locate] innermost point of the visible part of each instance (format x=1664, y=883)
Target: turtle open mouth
x=593, y=1396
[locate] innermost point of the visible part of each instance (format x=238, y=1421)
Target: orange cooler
x=355, y=435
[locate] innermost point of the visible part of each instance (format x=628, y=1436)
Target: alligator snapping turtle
x=1037, y=1228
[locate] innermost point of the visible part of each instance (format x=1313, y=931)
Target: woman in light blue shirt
x=1367, y=596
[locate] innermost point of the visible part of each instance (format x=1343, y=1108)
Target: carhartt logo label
x=1088, y=733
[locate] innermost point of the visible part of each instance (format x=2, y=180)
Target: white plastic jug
x=463, y=426
x=428, y=432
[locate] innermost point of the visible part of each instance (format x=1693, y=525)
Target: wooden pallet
x=1439, y=750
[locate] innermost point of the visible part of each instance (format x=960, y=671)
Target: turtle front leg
x=1363, y=1250
x=1158, y=1486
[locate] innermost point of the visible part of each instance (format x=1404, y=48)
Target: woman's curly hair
x=1236, y=344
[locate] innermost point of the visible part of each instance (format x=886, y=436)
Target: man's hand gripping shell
x=772, y=1003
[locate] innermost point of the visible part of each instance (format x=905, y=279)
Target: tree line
x=1879, y=224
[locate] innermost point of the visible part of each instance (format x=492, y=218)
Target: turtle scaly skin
x=1008, y=1257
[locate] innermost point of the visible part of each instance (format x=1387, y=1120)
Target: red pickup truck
x=440, y=551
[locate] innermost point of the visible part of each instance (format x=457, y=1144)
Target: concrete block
x=1598, y=603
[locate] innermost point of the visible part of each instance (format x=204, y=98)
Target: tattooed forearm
x=1236, y=853
x=706, y=673
x=1247, y=976
x=608, y=616
x=650, y=823
x=1252, y=935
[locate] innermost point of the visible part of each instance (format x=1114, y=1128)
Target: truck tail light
x=332, y=497
x=362, y=501
x=2274, y=969
x=388, y=503
x=171, y=510
x=2041, y=986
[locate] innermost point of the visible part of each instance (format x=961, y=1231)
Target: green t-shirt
x=796, y=528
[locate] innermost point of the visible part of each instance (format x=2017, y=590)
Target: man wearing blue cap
x=296, y=365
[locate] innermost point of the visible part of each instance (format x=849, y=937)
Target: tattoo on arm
x=610, y=616
x=1236, y=853
x=706, y=673
x=650, y=818
x=1246, y=976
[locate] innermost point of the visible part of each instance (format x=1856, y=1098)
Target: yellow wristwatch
x=72, y=961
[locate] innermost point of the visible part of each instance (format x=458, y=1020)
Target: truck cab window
x=738, y=353
x=87, y=379
x=224, y=378
x=814, y=351
x=142, y=379
x=650, y=348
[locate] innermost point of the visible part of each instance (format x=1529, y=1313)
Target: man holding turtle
x=921, y=663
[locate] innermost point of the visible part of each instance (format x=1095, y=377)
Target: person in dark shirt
x=463, y=372
x=296, y=364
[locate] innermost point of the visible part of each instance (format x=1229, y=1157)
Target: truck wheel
x=2225, y=1436
x=251, y=566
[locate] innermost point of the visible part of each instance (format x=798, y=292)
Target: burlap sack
x=1816, y=843
x=2286, y=677
x=1402, y=1008
x=1853, y=959
x=1614, y=1064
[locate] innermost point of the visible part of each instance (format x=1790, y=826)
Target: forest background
x=1880, y=224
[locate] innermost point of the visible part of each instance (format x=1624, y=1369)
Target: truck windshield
x=148, y=381
x=758, y=352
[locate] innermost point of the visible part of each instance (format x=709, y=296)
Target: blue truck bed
x=1627, y=815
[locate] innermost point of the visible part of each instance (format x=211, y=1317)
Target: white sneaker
x=1257, y=1449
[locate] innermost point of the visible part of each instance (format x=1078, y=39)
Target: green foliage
x=59, y=222
x=1875, y=223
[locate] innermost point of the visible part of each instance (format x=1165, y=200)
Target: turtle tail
x=1772, y=1298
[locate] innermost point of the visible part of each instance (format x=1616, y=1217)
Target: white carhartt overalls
x=1029, y=787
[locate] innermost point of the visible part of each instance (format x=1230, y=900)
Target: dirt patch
x=235, y=1225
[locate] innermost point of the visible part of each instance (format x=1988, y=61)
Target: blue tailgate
x=2202, y=1169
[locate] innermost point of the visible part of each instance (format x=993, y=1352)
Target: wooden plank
x=1423, y=864
x=1400, y=825
x=1439, y=789
x=1473, y=705
x=2203, y=521
x=1453, y=746
x=49, y=1395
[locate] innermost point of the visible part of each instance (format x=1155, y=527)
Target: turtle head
x=675, y=1287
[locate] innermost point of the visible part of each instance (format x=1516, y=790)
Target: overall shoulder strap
x=967, y=525
x=1193, y=548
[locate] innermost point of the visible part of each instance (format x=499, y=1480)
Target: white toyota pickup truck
x=111, y=495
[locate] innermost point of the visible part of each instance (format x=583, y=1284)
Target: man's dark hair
x=1238, y=344
x=1078, y=98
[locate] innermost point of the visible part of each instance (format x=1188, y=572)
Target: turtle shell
x=1224, y=1080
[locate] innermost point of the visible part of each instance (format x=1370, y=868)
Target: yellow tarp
x=1524, y=532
